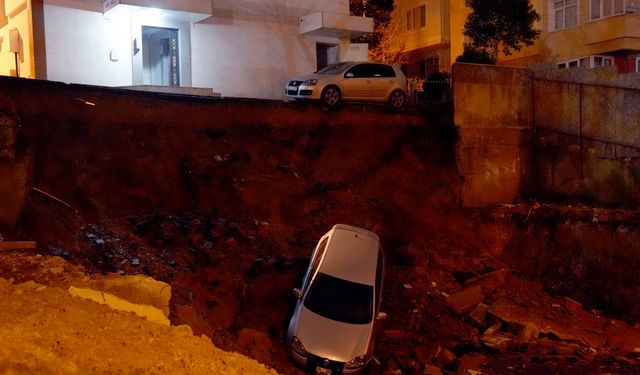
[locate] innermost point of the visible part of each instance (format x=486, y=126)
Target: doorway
x=160, y=56
x=326, y=54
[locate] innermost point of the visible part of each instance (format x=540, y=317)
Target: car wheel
x=397, y=100
x=331, y=96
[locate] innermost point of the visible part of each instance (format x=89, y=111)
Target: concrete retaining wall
x=492, y=113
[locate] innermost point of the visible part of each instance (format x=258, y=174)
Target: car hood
x=331, y=339
x=308, y=76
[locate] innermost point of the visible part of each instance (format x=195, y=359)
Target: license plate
x=292, y=88
x=323, y=371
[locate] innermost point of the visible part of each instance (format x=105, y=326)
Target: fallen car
x=332, y=327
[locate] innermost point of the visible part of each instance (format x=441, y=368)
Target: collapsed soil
x=225, y=202
x=45, y=330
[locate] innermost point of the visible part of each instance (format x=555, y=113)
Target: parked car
x=356, y=81
x=334, y=320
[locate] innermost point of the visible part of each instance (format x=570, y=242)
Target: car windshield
x=340, y=300
x=334, y=68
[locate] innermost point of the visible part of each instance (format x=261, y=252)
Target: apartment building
x=239, y=48
x=575, y=33
x=585, y=33
x=430, y=32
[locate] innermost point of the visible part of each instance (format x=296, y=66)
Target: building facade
x=238, y=48
x=575, y=33
x=585, y=33
x=430, y=32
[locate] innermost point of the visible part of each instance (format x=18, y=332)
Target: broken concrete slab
x=465, y=300
x=470, y=362
x=139, y=294
x=497, y=340
x=432, y=370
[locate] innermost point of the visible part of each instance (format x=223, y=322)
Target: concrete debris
x=446, y=356
x=479, y=314
x=573, y=306
x=497, y=340
x=470, y=362
x=465, y=300
x=527, y=331
x=432, y=370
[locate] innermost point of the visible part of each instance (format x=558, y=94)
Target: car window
x=341, y=300
x=362, y=71
x=372, y=70
x=386, y=71
x=379, y=278
x=334, y=68
x=315, y=261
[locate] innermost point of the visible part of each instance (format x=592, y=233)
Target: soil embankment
x=225, y=199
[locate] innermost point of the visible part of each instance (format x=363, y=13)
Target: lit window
x=417, y=18
x=605, y=8
x=566, y=13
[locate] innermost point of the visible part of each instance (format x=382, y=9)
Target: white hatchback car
x=357, y=81
x=332, y=327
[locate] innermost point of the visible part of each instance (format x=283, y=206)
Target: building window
x=606, y=8
x=587, y=62
x=566, y=13
x=416, y=18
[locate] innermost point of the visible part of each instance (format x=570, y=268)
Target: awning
x=183, y=10
x=335, y=25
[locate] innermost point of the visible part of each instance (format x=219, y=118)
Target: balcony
x=335, y=25
x=620, y=32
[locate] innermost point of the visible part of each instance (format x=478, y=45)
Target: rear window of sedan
x=341, y=300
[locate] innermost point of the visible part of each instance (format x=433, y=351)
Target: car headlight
x=310, y=82
x=297, y=347
x=356, y=363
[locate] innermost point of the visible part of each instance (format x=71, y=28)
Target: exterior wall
x=16, y=14
x=79, y=45
x=604, y=36
x=442, y=37
x=249, y=48
x=459, y=14
x=264, y=54
x=492, y=113
x=433, y=34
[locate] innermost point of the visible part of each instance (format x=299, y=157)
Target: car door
x=357, y=82
x=382, y=80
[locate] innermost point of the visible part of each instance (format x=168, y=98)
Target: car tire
x=398, y=100
x=331, y=97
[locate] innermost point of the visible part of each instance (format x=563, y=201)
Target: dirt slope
x=225, y=201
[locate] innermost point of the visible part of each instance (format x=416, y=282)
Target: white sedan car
x=355, y=81
x=332, y=328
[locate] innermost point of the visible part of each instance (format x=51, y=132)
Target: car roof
x=351, y=254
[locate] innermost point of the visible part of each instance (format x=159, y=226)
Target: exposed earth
x=232, y=235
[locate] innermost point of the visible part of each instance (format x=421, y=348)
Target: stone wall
x=492, y=113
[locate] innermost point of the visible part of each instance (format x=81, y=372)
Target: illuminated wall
x=16, y=15
x=442, y=35
x=247, y=48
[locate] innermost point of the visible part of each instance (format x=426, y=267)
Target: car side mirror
x=381, y=316
x=297, y=293
x=349, y=75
